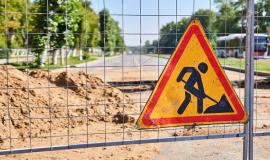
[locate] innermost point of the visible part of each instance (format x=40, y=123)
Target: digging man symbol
x=221, y=106
x=194, y=78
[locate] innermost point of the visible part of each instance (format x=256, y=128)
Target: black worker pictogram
x=221, y=106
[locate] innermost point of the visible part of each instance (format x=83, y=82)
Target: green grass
x=71, y=61
x=259, y=64
x=165, y=56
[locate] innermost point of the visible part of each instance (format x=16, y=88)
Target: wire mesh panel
x=77, y=73
x=261, y=50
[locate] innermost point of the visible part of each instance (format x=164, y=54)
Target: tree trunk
x=62, y=53
x=80, y=48
x=55, y=56
x=74, y=52
x=44, y=56
x=81, y=54
x=67, y=52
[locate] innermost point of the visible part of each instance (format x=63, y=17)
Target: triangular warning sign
x=193, y=88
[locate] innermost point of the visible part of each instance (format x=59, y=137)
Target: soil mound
x=36, y=103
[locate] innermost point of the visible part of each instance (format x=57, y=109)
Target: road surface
x=130, y=67
x=125, y=67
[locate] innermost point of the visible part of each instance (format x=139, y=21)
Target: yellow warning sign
x=193, y=88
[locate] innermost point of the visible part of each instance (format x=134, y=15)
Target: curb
x=257, y=73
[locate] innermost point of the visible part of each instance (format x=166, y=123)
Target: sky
x=150, y=22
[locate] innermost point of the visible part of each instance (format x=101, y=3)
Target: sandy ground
x=219, y=149
x=117, y=153
x=91, y=115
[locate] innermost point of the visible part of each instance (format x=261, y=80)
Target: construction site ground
x=78, y=104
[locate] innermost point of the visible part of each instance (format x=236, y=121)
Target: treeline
x=230, y=18
x=58, y=29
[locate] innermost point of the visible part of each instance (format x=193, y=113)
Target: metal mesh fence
x=96, y=101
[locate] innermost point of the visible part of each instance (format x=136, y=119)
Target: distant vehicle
x=233, y=45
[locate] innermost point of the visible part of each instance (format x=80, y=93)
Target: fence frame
x=249, y=105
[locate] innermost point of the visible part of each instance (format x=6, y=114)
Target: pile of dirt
x=39, y=102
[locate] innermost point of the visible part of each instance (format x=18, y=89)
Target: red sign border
x=239, y=116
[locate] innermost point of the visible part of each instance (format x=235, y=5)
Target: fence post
x=251, y=93
x=249, y=81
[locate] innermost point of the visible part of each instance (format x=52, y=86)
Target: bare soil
x=37, y=104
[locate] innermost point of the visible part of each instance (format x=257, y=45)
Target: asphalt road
x=123, y=67
x=130, y=67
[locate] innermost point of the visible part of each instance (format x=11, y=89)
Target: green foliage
x=262, y=24
x=226, y=20
x=24, y=65
x=169, y=38
x=38, y=43
x=76, y=60
x=229, y=18
x=89, y=24
x=67, y=19
x=208, y=20
x=70, y=61
x=110, y=33
x=62, y=25
x=3, y=48
x=171, y=33
x=14, y=24
x=59, y=27
x=88, y=57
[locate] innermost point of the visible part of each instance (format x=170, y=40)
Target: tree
x=111, y=40
x=170, y=35
x=59, y=26
x=262, y=23
x=88, y=32
x=120, y=43
x=168, y=38
x=228, y=17
x=147, y=47
x=105, y=40
x=12, y=25
x=90, y=25
x=208, y=20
